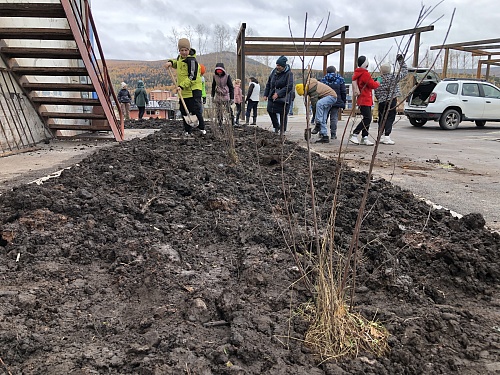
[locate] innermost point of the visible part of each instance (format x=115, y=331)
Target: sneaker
x=323, y=139
x=386, y=140
x=187, y=134
x=365, y=141
x=203, y=131
x=354, y=139
x=316, y=129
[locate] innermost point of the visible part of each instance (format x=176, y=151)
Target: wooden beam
x=395, y=33
x=463, y=44
x=340, y=30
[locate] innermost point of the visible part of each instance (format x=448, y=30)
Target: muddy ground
x=161, y=256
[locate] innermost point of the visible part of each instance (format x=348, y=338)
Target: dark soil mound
x=159, y=256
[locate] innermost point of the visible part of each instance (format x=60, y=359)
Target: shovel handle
x=178, y=92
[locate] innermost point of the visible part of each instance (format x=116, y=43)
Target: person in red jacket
x=364, y=101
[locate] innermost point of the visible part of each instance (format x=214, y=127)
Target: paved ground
x=457, y=169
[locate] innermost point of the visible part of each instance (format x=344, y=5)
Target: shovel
x=190, y=120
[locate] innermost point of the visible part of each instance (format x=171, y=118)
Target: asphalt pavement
x=456, y=169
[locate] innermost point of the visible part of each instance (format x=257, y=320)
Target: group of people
x=328, y=96
x=386, y=89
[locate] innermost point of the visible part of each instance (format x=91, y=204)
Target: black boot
x=323, y=139
x=316, y=129
x=254, y=120
x=247, y=120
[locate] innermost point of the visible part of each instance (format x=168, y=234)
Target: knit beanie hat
x=300, y=88
x=184, y=43
x=281, y=61
x=331, y=69
x=385, y=68
x=123, y=85
x=363, y=62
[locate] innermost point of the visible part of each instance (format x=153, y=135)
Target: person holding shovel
x=189, y=86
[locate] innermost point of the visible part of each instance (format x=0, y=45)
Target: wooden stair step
x=73, y=115
x=41, y=53
x=32, y=9
x=57, y=100
x=39, y=33
x=49, y=71
x=79, y=127
x=36, y=86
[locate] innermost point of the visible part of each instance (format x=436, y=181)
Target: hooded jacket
x=140, y=95
x=366, y=85
x=222, y=85
x=336, y=82
x=188, y=74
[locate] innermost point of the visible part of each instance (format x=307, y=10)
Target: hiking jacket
x=140, y=95
x=337, y=82
x=188, y=74
x=366, y=85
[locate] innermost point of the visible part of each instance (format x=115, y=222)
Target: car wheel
x=480, y=123
x=450, y=119
x=418, y=122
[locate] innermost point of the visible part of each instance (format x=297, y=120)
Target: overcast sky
x=140, y=29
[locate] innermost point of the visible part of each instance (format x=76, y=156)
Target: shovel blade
x=193, y=122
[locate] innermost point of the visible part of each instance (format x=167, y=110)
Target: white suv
x=452, y=101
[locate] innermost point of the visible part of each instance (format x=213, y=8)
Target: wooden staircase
x=71, y=90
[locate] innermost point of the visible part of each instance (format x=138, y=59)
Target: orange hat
x=202, y=69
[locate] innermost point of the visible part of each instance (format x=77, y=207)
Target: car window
x=470, y=89
x=452, y=88
x=491, y=92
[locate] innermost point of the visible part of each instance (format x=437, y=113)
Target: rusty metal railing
x=83, y=27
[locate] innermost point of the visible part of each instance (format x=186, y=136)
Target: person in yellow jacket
x=322, y=98
x=188, y=83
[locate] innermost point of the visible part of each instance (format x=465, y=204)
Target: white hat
x=123, y=85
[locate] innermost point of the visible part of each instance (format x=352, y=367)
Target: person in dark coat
x=141, y=98
x=278, y=94
x=337, y=83
x=124, y=98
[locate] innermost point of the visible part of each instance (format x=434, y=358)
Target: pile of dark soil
x=160, y=256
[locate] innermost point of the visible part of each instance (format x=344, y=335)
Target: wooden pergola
x=486, y=47
x=324, y=46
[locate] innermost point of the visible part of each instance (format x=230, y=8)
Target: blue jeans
x=323, y=107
